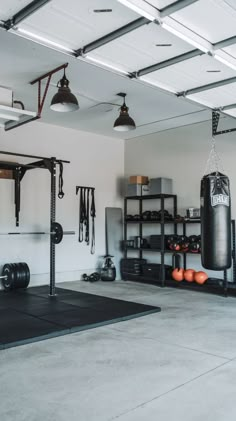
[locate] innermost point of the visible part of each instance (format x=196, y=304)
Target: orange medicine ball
x=200, y=277
x=178, y=274
x=189, y=275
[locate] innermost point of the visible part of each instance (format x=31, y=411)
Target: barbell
x=56, y=233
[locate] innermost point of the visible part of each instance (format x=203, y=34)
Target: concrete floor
x=178, y=364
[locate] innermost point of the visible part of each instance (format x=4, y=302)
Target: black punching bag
x=215, y=222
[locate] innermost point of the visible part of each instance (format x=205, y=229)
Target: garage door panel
x=217, y=97
x=193, y=73
x=214, y=20
x=143, y=47
x=77, y=24
x=11, y=7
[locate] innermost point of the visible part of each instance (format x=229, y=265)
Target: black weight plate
x=26, y=272
x=18, y=275
x=8, y=271
x=22, y=281
x=21, y=276
x=21, y=272
x=57, y=231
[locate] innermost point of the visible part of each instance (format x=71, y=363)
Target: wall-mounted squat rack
x=19, y=171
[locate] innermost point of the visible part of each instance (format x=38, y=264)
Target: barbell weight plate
x=22, y=273
x=26, y=272
x=20, y=276
x=13, y=275
x=17, y=275
x=8, y=282
x=57, y=232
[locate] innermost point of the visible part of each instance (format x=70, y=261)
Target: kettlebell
x=108, y=271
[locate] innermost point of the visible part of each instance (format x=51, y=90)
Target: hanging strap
x=87, y=218
x=81, y=215
x=93, y=215
x=84, y=206
x=61, y=194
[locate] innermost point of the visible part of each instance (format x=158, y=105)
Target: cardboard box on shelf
x=138, y=179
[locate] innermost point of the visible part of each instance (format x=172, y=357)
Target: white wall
x=96, y=161
x=181, y=154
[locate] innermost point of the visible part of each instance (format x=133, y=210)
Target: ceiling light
x=185, y=37
x=44, y=40
x=224, y=61
x=142, y=8
x=108, y=65
x=157, y=84
x=64, y=100
x=124, y=122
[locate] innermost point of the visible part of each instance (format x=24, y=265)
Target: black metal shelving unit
x=213, y=285
x=161, y=198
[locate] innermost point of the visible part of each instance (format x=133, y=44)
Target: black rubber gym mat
x=30, y=315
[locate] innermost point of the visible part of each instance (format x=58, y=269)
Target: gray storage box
x=145, y=190
x=133, y=189
x=137, y=190
x=160, y=185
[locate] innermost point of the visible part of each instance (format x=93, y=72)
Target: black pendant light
x=124, y=122
x=64, y=101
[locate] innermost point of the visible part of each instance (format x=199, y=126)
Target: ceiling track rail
x=112, y=36
x=228, y=107
x=24, y=13
x=176, y=6
x=207, y=87
x=224, y=43
x=215, y=122
x=169, y=62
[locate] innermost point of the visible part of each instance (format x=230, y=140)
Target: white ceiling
x=74, y=24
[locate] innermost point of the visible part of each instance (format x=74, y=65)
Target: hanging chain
x=214, y=163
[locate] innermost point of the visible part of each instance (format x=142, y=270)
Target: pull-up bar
x=32, y=156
